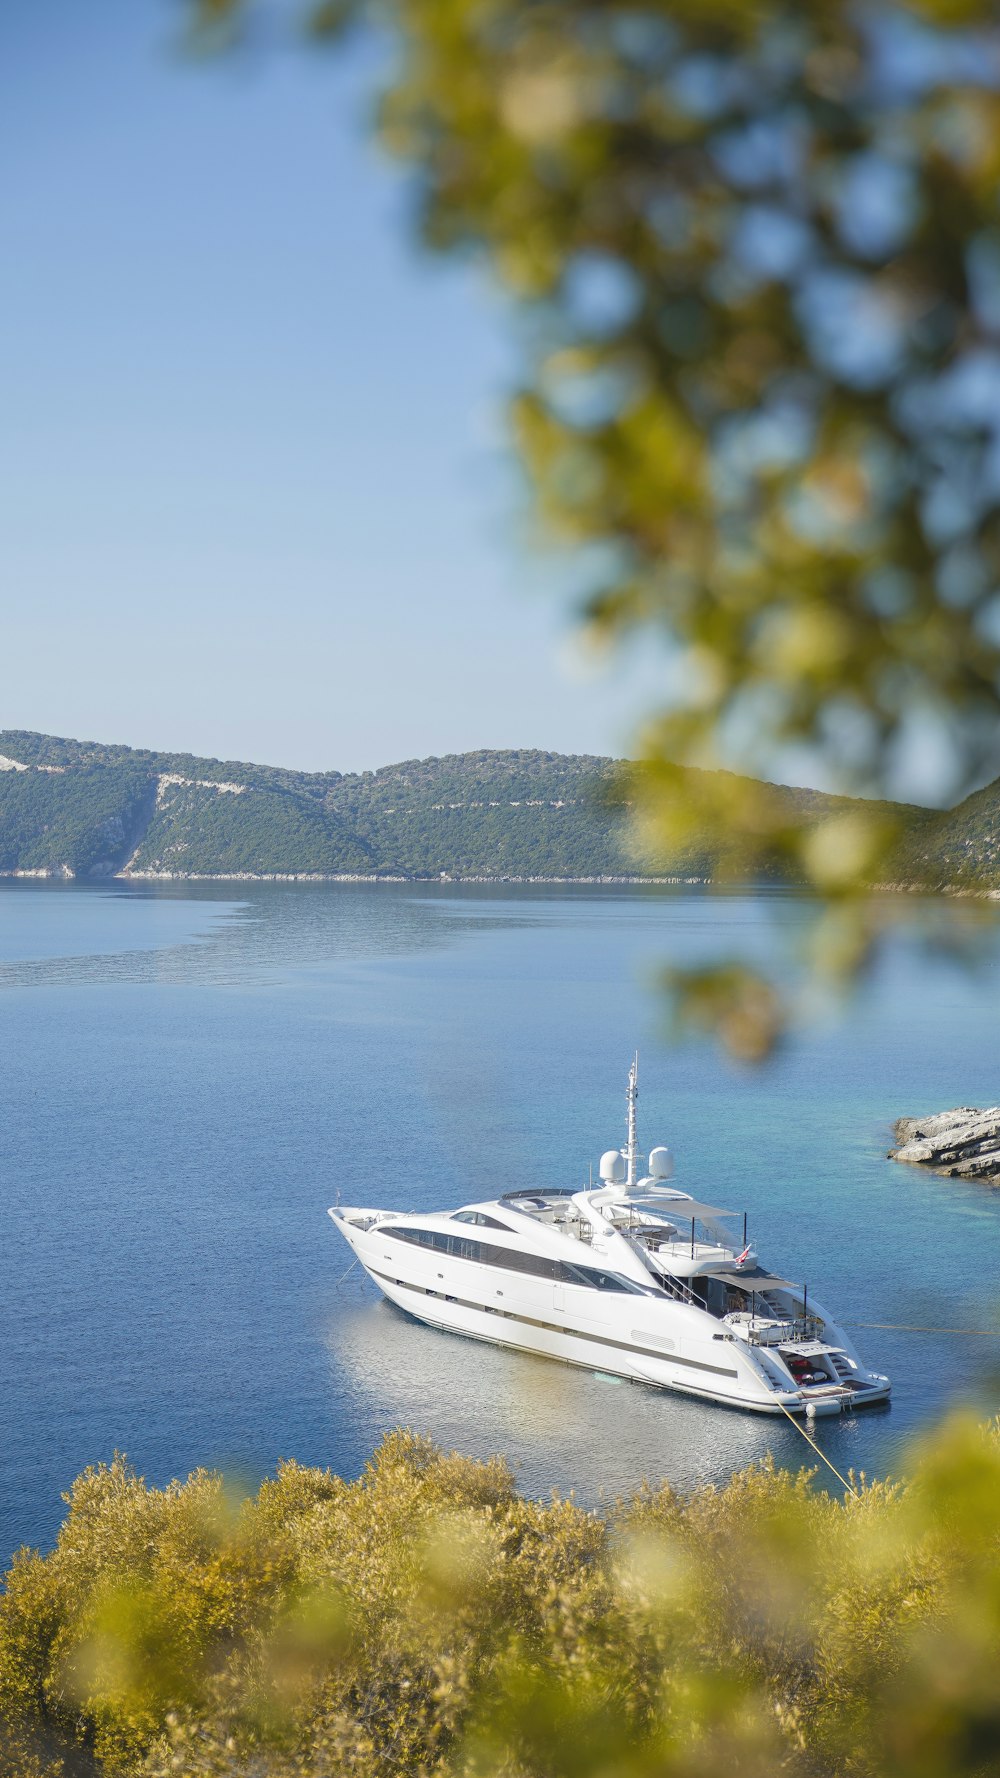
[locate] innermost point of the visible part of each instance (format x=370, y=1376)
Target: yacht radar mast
x=630, y=1151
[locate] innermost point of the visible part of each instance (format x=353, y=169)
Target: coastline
x=176, y=876
x=62, y=874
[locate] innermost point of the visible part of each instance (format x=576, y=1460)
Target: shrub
x=426, y=1619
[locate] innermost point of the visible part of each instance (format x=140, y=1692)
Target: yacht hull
x=586, y=1352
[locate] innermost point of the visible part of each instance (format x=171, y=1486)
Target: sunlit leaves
x=427, y=1619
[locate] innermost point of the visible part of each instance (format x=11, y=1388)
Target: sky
x=255, y=497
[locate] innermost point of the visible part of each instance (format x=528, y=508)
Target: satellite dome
x=661, y=1163
x=612, y=1167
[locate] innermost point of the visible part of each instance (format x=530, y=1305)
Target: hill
x=86, y=809
x=958, y=848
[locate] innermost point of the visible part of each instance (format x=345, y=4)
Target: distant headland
x=82, y=809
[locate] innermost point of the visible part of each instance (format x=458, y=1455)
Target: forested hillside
x=959, y=847
x=80, y=823
x=79, y=808
x=84, y=809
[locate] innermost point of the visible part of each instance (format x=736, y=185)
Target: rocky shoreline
x=961, y=1144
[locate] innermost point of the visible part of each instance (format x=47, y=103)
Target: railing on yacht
x=680, y=1291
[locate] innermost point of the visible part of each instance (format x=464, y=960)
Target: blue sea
x=192, y=1073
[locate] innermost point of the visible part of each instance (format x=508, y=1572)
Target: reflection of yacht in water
x=630, y=1276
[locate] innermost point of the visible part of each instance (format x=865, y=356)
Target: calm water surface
x=191, y=1073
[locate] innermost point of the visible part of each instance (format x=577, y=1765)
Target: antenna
x=629, y=1150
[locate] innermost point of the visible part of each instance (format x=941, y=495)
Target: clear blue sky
x=255, y=502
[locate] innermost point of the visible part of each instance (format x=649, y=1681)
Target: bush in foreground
x=426, y=1619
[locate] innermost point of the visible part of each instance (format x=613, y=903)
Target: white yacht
x=630, y=1277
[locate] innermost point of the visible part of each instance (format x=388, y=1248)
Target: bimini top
x=751, y=1278
x=680, y=1206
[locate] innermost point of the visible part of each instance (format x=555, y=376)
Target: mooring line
x=346, y=1274
x=975, y=1333
x=821, y=1454
x=645, y=1378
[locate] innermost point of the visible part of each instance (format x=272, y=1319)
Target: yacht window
x=606, y=1280
x=480, y=1217
x=465, y=1247
x=536, y=1265
x=460, y=1248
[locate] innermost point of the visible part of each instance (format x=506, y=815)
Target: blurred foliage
x=427, y=1619
x=756, y=249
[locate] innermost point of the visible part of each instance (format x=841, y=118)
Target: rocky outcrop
x=964, y=1143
